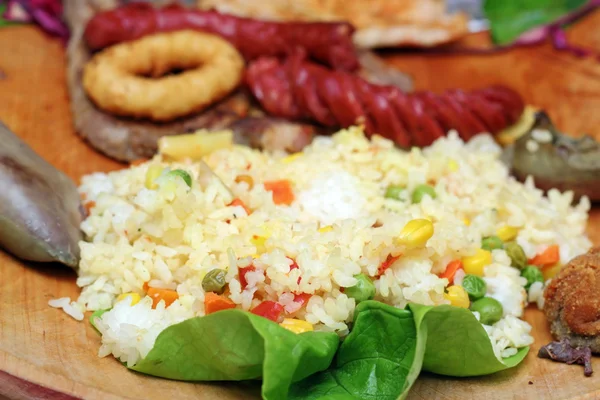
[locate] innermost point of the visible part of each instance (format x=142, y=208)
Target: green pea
x=474, y=286
x=491, y=243
x=532, y=274
x=517, y=255
x=214, y=281
x=394, y=192
x=489, y=309
x=363, y=290
x=183, y=175
x=421, y=191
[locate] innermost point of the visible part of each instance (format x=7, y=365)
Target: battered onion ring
x=127, y=79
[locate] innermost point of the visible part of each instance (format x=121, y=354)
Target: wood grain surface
x=47, y=355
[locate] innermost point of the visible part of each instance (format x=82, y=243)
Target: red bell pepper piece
x=302, y=298
x=268, y=309
x=386, y=264
x=294, y=266
x=242, y=275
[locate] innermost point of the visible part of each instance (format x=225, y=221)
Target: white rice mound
x=173, y=235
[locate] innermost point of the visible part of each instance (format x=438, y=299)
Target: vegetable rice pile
x=302, y=239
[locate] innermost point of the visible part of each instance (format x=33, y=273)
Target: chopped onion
x=46, y=13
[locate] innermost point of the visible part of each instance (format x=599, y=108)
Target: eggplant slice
x=556, y=160
x=40, y=209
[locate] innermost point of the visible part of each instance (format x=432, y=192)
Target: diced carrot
x=451, y=269
x=550, y=256
x=238, y=202
x=282, y=191
x=138, y=161
x=386, y=264
x=214, y=302
x=88, y=205
x=145, y=287
x=168, y=295
x=242, y=275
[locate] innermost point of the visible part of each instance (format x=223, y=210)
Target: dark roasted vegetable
x=563, y=352
x=562, y=162
x=40, y=211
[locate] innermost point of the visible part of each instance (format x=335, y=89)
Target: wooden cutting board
x=46, y=354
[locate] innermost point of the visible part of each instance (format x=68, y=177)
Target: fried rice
x=340, y=224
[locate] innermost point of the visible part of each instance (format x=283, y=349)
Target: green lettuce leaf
x=387, y=348
x=97, y=314
x=510, y=19
x=380, y=358
x=457, y=344
x=3, y=21
x=234, y=345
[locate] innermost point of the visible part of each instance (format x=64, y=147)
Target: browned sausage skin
x=295, y=88
x=327, y=42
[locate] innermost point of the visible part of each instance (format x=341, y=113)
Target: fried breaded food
x=379, y=23
x=129, y=79
x=572, y=301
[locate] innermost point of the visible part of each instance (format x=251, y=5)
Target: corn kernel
x=259, y=243
x=457, y=296
x=135, y=298
x=551, y=271
x=466, y=221
x=152, y=174
x=292, y=157
x=327, y=228
x=416, y=232
x=452, y=166
x=474, y=264
x=507, y=233
x=296, y=325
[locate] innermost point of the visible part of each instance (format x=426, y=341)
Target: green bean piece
x=183, y=175
x=363, y=290
x=474, y=286
x=422, y=191
x=490, y=310
x=214, y=281
x=517, y=255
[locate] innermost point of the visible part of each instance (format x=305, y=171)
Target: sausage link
x=327, y=42
x=312, y=92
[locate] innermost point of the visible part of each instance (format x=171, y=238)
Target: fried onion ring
x=129, y=79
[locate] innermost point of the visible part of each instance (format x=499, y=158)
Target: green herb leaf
x=380, y=358
x=509, y=19
x=457, y=344
x=2, y=11
x=383, y=354
x=233, y=345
